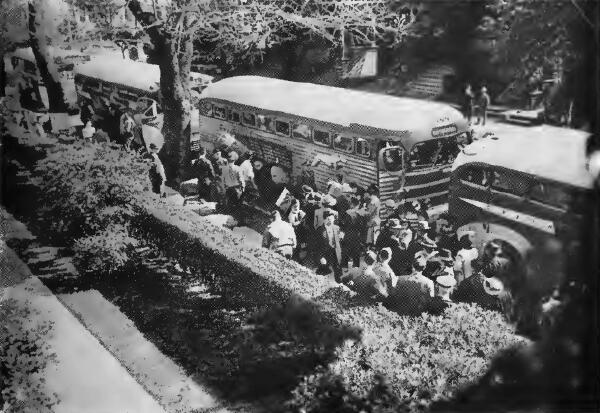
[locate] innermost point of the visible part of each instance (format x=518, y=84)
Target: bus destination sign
x=442, y=131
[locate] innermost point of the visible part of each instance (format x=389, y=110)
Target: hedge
x=418, y=359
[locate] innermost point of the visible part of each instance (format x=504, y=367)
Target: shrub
x=78, y=180
x=422, y=359
x=107, y=252
x=419, y=359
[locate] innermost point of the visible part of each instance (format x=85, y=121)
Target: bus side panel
x=305, y=161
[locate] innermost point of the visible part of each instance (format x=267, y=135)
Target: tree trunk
x=2, y=76
x=174, y=87
x=56, y=96
x=173, y=54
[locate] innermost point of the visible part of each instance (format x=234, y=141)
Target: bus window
x=262, y=122
x=300, y=131
x=343, y=143
x=433, y=152
x=205, y=108
x=475, y=175
x=234, y=116
x=391, y=158
x=249, y=119
x=510, y=182
x=282, y=128
x=550, y=194
x=321, y=138
x=363, y=147
x=220, y=112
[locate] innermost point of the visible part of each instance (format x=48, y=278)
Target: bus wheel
x=515, y=277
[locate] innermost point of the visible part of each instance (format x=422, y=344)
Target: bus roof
x=139, y=75
x=26, y=53
x=557, y=154
x=335, y=105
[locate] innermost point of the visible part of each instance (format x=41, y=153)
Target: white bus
x=128, y=84
x=321, y=133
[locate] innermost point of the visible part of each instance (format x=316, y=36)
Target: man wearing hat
x=365, y=282
x=413, y=293
x=401, y=262
x=444, y=261
x=327, y=204
x=390, y=230
x=421, y=240
x=372, y=211
x=329, y=241
x=234, y=184
x=448, y=238
x=483, y=102
x=420, y=232
x=157, y=172
x=485, y=290
x=352, y=225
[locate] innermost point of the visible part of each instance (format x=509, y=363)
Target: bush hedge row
x=400, y=361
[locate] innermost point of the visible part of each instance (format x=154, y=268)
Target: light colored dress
x=463, y=267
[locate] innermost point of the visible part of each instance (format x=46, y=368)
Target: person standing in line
x=482, y=103
x=330, y=238
x=248, y=170
x=234, y=184
x=465, y=257
x=126, y=124
x=205, y=174
x=296, y=218
x=327, y=204
x=88, y=132
x=218, y=163
x=383, y=270
x=353, y=230
x=157, y=172
x=373, y=208
x=280, y=236
x=469, y=102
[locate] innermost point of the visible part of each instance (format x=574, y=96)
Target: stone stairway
x=429, y=84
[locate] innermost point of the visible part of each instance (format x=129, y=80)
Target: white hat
x=329, y=200
x=446, y=281
x=390, y=203
x=233, y=156
x=493, y=286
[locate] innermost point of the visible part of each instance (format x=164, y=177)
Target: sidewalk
x=55, y=363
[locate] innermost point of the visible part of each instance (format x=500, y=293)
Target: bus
x=318, y=134
x=522, y=187
x=29, y=81
x=128, y=84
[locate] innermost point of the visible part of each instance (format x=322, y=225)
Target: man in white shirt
x=234, y=183
x=280, y=236
x=248, y=170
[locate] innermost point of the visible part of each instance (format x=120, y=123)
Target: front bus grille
x=433, y=184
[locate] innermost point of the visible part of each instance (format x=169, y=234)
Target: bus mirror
x=392, y=159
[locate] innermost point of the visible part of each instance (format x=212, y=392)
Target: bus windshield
x=433, y=152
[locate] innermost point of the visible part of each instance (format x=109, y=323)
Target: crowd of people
x=408, y=261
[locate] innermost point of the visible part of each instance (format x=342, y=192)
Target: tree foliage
x=240, y=31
